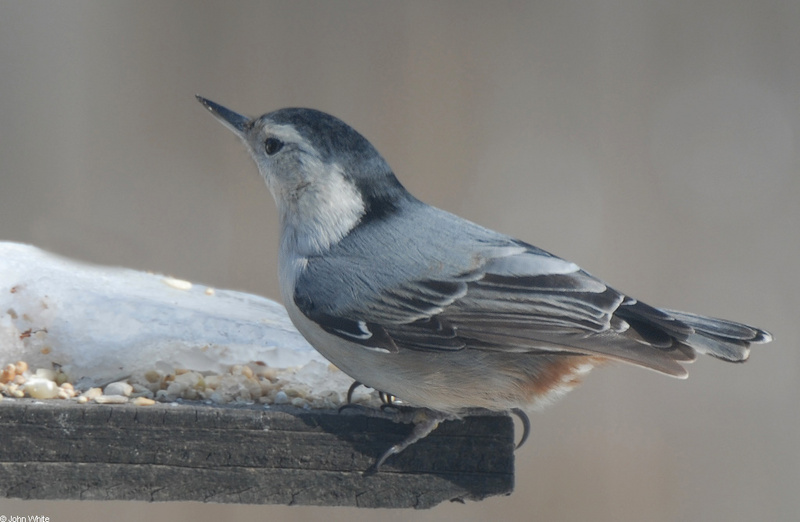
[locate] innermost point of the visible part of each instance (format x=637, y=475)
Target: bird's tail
x=720, y=338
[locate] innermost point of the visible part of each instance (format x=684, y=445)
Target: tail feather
x=720, y=338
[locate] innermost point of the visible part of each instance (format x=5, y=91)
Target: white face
x=318, y=205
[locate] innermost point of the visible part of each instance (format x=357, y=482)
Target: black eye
x=272, y=145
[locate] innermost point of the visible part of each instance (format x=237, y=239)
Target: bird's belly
x=452, y=381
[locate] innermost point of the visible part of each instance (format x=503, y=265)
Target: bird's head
x=326, y=178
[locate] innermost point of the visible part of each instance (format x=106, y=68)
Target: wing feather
x=514, y=297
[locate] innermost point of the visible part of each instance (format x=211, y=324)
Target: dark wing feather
x=522, y=301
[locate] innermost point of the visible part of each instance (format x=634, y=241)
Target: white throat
x=318, y=214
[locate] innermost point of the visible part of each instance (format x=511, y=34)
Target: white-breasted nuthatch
x=433, y=309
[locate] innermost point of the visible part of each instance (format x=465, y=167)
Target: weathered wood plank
x=170, y=452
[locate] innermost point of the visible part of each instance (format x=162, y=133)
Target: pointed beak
x=234, y=121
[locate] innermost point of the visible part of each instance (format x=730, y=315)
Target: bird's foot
x=424, y=420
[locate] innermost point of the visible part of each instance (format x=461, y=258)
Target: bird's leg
x=425, y=421
x=422, y=428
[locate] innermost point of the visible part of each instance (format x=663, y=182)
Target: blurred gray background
x=655, y=143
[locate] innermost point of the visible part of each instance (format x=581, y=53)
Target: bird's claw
x=526, y=426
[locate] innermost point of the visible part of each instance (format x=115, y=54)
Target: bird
x=442, y=313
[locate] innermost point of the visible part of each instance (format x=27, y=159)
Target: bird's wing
x=513, y=298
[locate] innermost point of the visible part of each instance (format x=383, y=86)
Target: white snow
x=105, y=323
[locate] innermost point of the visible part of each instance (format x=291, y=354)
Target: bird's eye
x=272, y=145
